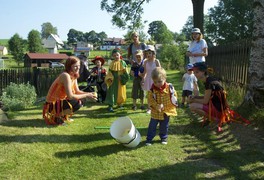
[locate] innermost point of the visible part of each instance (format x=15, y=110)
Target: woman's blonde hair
x=158, y=73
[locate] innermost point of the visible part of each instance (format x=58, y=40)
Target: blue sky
x=18, y=16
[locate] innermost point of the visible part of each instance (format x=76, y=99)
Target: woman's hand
x=92, y=96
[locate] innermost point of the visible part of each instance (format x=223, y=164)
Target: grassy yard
x=32, y=150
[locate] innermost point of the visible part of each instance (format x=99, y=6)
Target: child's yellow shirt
x=161, y=96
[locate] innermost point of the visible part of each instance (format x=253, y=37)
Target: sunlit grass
x=32, y=150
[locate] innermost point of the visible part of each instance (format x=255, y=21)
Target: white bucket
x=124, y=131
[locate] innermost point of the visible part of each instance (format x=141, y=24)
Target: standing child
x=150, y=63
x=136, y=70
x=189, y=85
x=163, y=102
x=98, y=73
x=116, y=80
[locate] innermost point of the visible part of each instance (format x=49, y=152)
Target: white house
x=53, y=43
x=112, y=43
x=3, y=50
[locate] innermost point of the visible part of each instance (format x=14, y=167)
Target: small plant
x=19, y=96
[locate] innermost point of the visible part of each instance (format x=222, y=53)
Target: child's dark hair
x=202, y=66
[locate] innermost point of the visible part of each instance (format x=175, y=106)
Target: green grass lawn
x=32, y=150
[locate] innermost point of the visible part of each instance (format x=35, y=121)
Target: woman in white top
x=198, y=49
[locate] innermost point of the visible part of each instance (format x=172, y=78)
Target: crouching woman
x=64, y=96
x=213, y=105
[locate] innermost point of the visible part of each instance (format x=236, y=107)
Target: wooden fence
x=230, y=62
x=40, y=78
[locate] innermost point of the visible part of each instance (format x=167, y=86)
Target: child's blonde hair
x=158, y=73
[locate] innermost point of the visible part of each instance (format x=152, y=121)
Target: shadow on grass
x=54, y=138
x=225, y=155
x=36, y=123
x=96, y=151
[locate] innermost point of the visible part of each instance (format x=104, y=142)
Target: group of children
x=148, y=76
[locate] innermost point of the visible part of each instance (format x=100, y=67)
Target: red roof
x=46, y=56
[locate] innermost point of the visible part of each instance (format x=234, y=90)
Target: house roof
x=115, y=40
x=57, y=38
x=46, y=56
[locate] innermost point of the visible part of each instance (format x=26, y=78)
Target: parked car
x=55, y=64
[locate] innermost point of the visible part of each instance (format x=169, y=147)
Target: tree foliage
x=89, y=37
x=160, y=33
x=17, y=46
x=126, y=13
x=47, y=29
x=34, y=42
x=172, y=56
x=229, y=21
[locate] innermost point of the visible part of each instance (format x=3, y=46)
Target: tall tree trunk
x=255, y=89
x=198, y=14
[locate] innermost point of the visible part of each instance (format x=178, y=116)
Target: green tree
x=171, y=56
x=127, y=13
x=17, y=46
x=101, y=36
x=34, y=42
x=47, y=29
x=160, y=33
x=187, y=28
x=92, y=37
x=74, y=36
x=230, y=21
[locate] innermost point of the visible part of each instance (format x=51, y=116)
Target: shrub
x=19, y=96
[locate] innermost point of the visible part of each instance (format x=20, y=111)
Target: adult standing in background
x=134, y=46
x=198, y=49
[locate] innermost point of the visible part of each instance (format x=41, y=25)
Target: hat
x=201, y=66
x=117, y=50
x=98, y=58
x=196, y=30
x=150, y=48
x=189, y=67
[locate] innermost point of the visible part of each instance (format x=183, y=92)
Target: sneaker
x=121, y=107
x=164, y=141
x=148, y=111
x=110, y=109
x=67, y=119
x=148, y=143
x=142, y=107
x=134, y=108
x=70, y=120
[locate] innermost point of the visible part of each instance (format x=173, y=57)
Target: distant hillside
x=4, y=42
